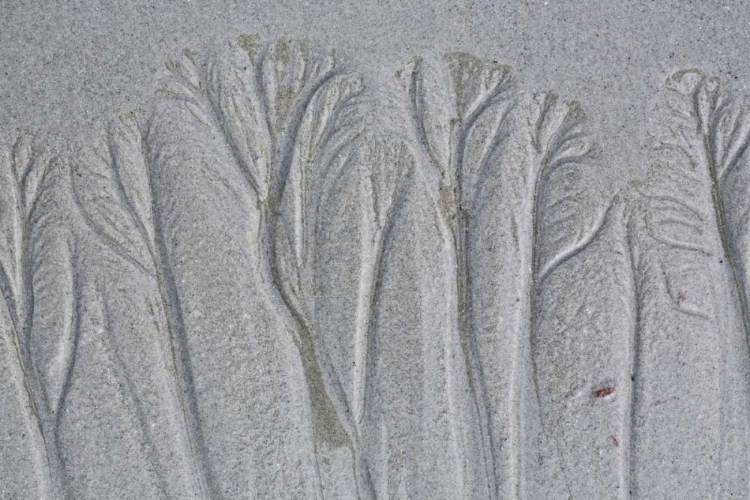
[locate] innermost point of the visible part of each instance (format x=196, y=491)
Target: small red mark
x=615, y=441
x=680, y=297
x=603, y=391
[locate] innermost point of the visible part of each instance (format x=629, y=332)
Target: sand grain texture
x=287, y=272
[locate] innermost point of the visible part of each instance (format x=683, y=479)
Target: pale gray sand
x=408, y=251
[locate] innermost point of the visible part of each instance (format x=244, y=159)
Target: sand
x=376, y=251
